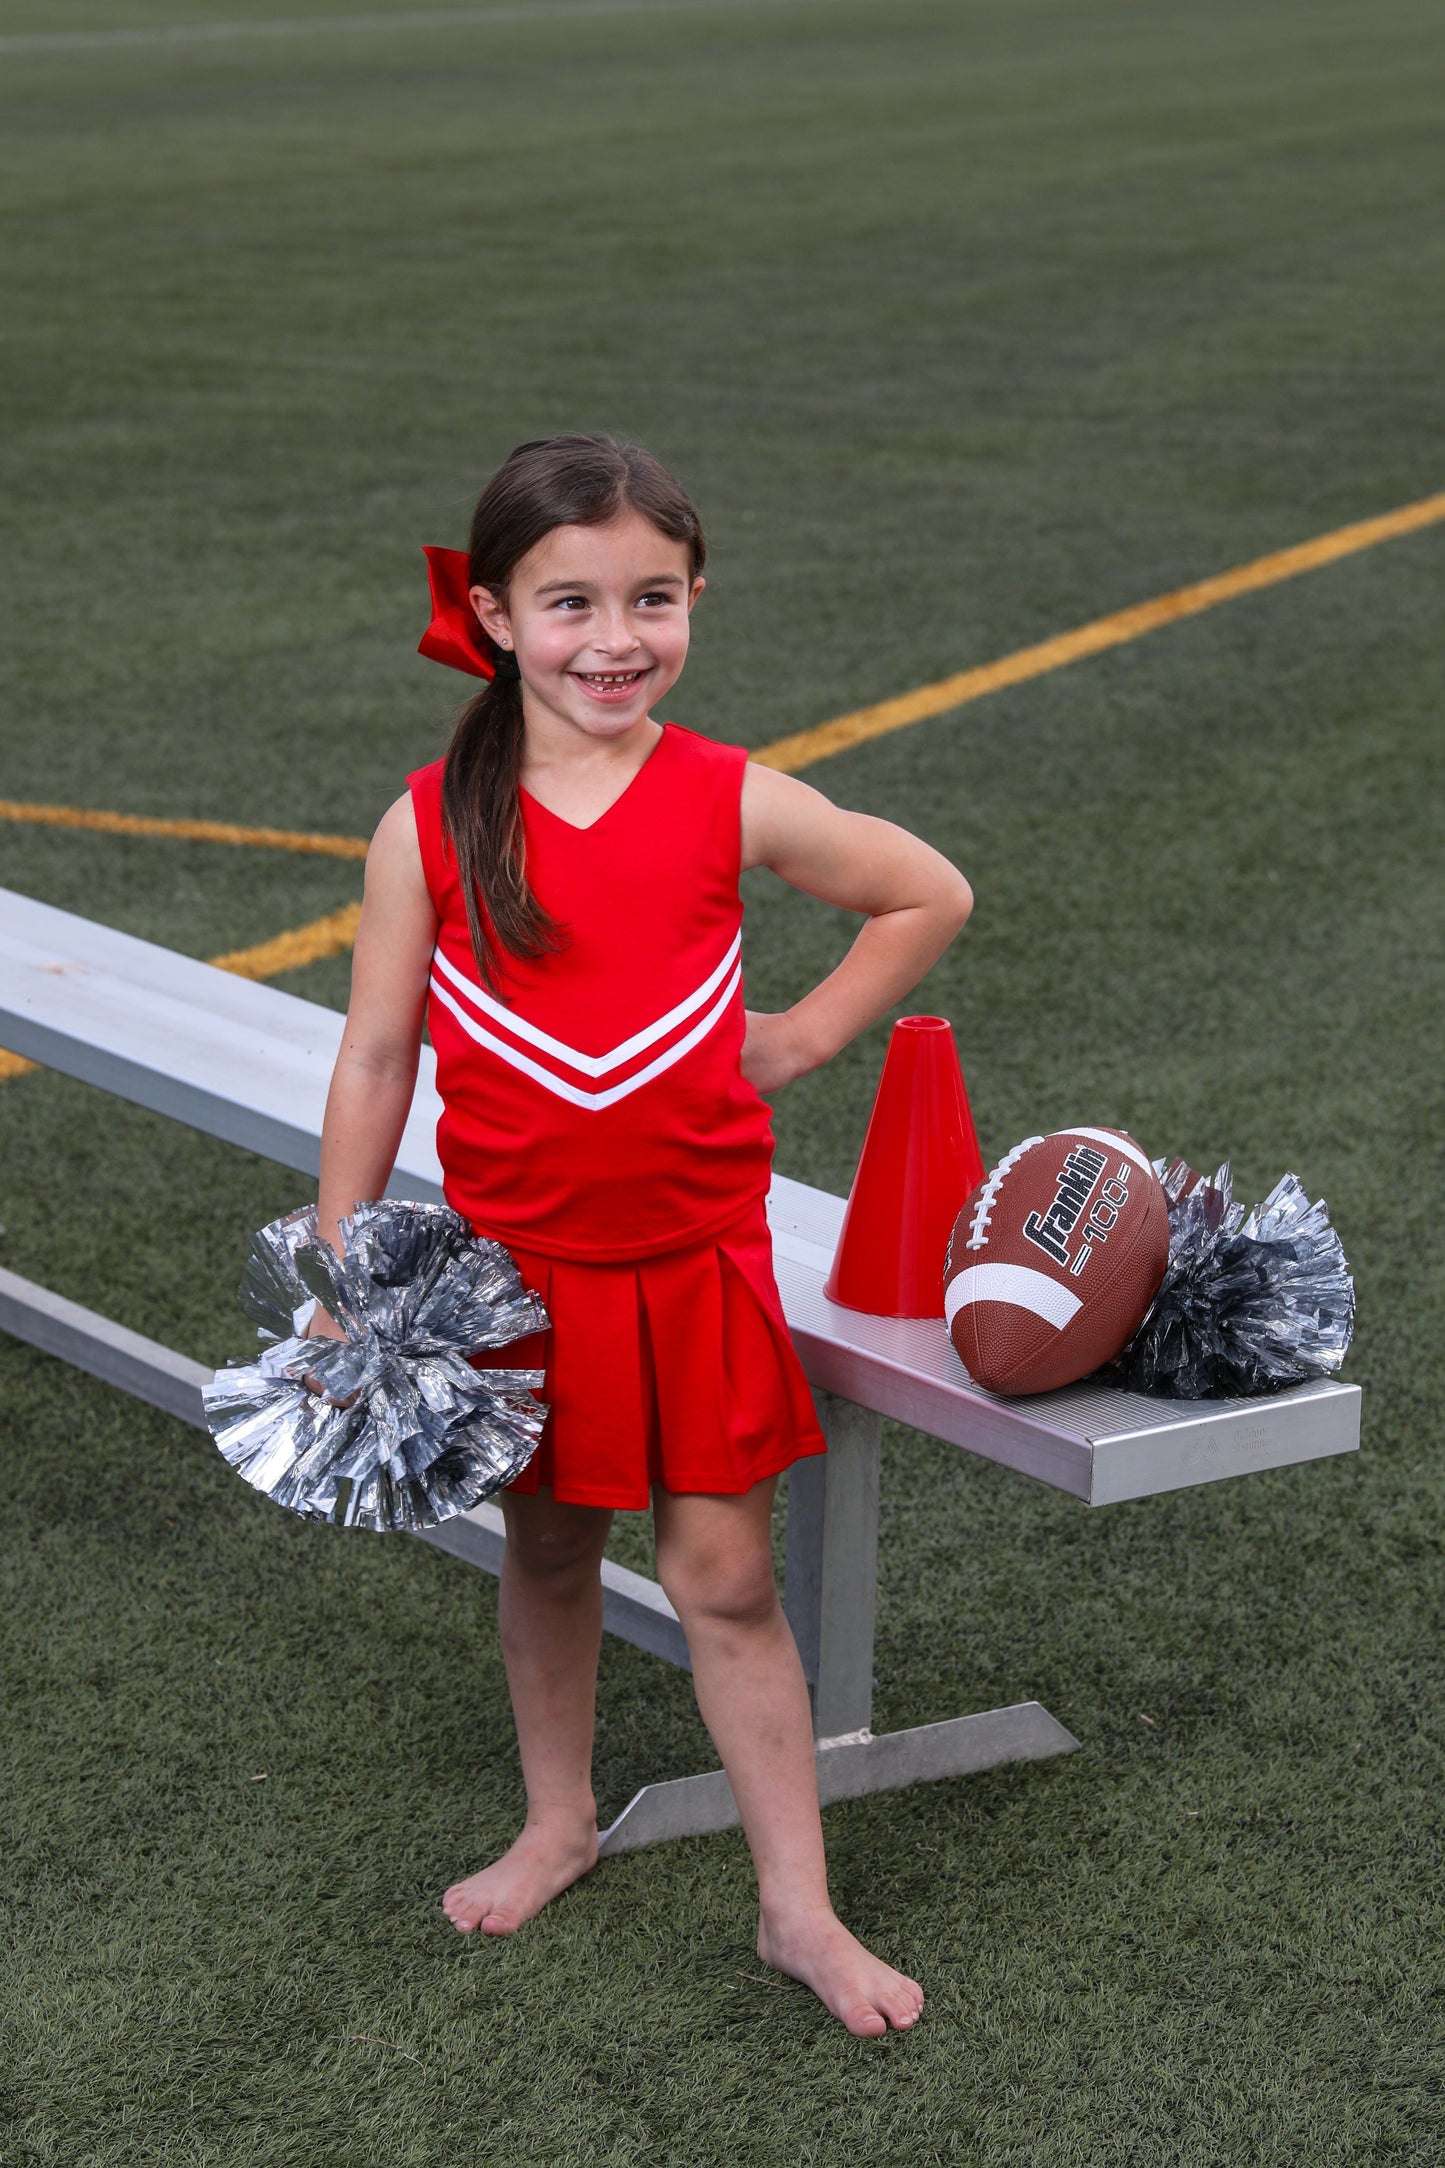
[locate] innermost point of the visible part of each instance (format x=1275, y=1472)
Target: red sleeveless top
x=598, y=1110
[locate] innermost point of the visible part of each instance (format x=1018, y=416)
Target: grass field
x=965, y=323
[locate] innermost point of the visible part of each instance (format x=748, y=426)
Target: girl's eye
x=568, y=602
x=664, y=599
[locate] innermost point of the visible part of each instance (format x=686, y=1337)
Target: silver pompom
x=405, y=1433
x=1250, y=1302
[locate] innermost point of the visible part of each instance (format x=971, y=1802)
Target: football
x=1054, y=1260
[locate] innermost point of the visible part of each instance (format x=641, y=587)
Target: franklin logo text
x=1075, y=1201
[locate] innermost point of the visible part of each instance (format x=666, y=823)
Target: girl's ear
x=492, y=614
x=696, y=589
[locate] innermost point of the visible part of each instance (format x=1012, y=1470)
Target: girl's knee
x=737, y=1591
x=547, y=1547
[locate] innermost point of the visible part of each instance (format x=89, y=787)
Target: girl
x=559, y=895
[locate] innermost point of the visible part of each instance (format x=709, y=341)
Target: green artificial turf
x=965, y=323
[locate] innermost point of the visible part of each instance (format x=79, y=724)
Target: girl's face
x=598, y=620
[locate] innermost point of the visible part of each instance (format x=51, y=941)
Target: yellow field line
x=823, y=740
x=142, y=824
x=287, y=952
x=328, y=936
x=809, y=746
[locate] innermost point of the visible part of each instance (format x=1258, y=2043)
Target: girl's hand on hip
x=773, y=1051
x=913, y=900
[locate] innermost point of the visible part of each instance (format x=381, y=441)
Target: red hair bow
x=454, y=636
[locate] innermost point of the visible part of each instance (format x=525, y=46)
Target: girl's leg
x=550, y=1609
x=714, y=1558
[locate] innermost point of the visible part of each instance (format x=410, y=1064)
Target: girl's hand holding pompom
x=364, y=1408
x=323, y=1326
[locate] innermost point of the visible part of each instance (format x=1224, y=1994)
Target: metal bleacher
x=251, y=1065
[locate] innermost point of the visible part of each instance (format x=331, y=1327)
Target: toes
x=864, y=2022
x=468, y=1918
x=462, y=1909
x=901, y=2001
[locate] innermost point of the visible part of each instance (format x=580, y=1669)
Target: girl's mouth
x=611, y=685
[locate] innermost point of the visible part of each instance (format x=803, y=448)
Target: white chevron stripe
x=589, y=1064
x=1112, y=1143
x=573, y=1092
x=1018, y=1285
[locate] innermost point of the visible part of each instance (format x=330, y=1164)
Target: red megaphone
x=920, y=1160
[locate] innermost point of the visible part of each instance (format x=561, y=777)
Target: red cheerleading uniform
x=596, y=1120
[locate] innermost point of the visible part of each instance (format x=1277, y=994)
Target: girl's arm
x=915, y=900
x=375, y=1073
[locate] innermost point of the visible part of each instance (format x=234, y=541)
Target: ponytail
x=482, y=814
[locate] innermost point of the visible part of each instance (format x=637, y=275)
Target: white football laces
x=988, y=1195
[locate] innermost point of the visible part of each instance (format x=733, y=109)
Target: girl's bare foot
x=544, y=1861
x=856, y=1986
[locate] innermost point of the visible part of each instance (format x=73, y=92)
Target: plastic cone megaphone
x=920, y=1159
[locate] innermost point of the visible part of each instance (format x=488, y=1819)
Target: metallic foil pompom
x=1250, y=1302
x=405, y=1433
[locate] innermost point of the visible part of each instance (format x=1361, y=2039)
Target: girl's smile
x=610, y=685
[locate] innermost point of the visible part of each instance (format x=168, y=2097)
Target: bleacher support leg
x=830, y=1579
x=831, y=1565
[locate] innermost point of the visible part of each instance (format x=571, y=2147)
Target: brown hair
x=565, y=481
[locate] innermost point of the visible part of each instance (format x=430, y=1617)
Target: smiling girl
x=559, y=898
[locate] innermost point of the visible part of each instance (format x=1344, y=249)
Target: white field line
x=330, y=26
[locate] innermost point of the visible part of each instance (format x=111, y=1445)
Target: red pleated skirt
x=676, y=1370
